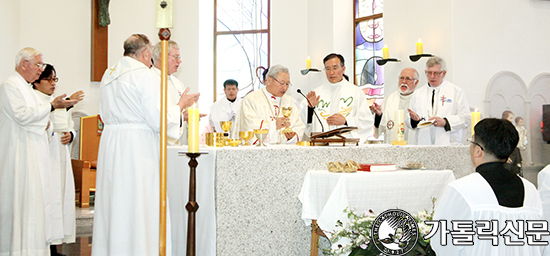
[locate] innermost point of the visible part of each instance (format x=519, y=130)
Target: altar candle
x=164, y=15
x=475, y=118
x=385, y=52
x=419, y=47
x=399, y=123
x=193, y=135
x=308, y=63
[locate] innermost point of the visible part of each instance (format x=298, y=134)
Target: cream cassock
x=259, y=106
x=25, y=206
x=126, y=219
x=344, y=98
x=61, y=175
x=449, y=102
x=223, y=110
x=394, y=102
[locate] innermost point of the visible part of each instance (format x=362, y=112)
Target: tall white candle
x=399, y=123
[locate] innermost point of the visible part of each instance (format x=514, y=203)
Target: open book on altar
x=334, y=136
x=377, y=167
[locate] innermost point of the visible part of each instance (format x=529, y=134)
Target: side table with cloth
x=178, y=195
x=325, y=195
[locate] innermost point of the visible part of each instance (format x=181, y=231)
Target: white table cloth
x=325, y=195
x=178, y=196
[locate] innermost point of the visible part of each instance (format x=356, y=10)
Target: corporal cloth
x=25, y=209
x=394, y=102
x=450, y=102
x=472, y=198
x=223, y=110
x=259, y=106
x=346, y=99
x=126, y=220
x=175, y=89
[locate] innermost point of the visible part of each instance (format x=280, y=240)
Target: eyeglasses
x=408, y=79
x=435, y=73
x=54, y=79
x=475, y=143
x=287, y=84
x=39, y=65
x=177, y=57
x=333, y=68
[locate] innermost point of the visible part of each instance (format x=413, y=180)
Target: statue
x=103, y=16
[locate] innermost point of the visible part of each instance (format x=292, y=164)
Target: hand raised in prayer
x=61, y=102
x=413, y=115
x=376, y=108
x=65, y=138
x=336, y=119
x=438, y=121
x=313, y=99
x=282, y=122
x=77, y=96
x=187, y=100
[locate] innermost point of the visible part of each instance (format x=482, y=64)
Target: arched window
x=241, y=43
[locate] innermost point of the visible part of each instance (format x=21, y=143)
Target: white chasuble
x=25, y=228
x=126, y=219
x=394, y=102
x=449, y=102
x=260, y=109
x=344, y=98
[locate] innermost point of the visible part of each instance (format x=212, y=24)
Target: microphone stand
x=314, y=112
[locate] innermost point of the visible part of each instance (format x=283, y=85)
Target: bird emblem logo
x=395, y=232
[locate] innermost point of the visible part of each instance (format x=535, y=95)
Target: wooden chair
x=84, y=169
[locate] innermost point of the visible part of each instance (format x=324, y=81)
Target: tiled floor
x=83, y=244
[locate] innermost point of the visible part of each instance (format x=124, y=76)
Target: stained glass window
x=241, y=43
x=369, y=40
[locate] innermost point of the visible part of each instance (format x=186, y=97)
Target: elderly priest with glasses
x=264, y=109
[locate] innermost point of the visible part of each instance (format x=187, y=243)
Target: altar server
x=61, y=176
x=226, y=108
x=25, y=206
x=384, y=121
x=440, y=102
x=175, y=88
x=338, y=102
x=263, y=109
x=126, y=219
x=494, y=200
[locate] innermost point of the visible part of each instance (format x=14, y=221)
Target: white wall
x=9, y=14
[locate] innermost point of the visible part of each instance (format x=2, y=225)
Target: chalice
x=246, y=136
x=261, y=134
x=226, y=126
x=287, y=111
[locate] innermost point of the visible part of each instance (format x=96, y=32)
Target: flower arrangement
x=354, y=237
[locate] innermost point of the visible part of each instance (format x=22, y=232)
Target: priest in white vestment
x=263, y=109
x=25, y=200
x=338, y=102
x=126, y=218
x=61, y=176
x=385, y=115
x=543, y=182
x=491, y=199
x=225, y=109
x=175, y=88
x=439, y=110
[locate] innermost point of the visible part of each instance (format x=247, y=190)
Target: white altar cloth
x=325, y=195
x=178, y=196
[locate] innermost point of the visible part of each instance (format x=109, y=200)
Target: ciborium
x=245, y=137
x=287, y=112
x=261, y=134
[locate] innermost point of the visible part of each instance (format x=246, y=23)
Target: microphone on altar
x=314, y=112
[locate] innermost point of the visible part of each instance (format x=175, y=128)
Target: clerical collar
x=339, y=83
x=233, y=100
x=406, y=97
x=506, y=185
x=271, y=96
